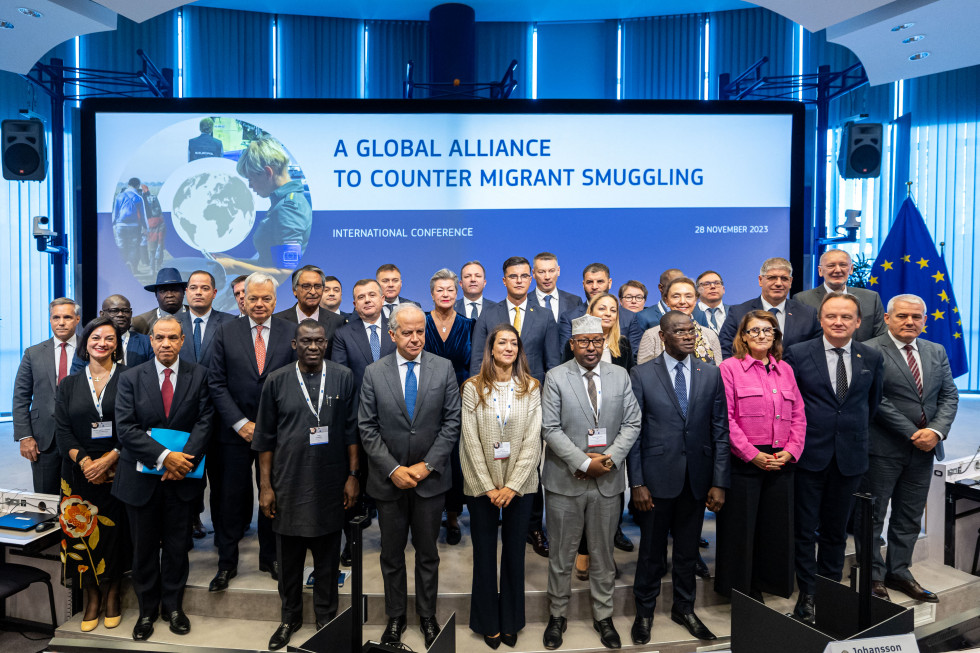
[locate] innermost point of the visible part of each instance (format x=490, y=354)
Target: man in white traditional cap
x=584, y=472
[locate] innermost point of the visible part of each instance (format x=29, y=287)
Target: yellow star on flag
x=939, y=276
x=938, y=314
x=957, y=335
x=872, y=280
x=906, y=259
x=924, y=327
x=956, y=309
x=887, y=265
x=923, y=263
x=959, y=322
x=943, y=296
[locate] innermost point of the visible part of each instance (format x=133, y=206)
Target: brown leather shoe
x=538, y=542
x=911, y=588
x=878, y=590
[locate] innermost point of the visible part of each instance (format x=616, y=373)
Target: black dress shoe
x=756, y=595
x=552, y=634
x=281, y=637
x=701, y=568
x=345, y=556
x=805, y=611
x=703, y=543
x=607, y=633
x=621, y=542
x=492, y=642
x=198, y=531
x=393, y=631
x=143, y=629
x=453, y=534
x=179, y=623
x=220, y=581
x=538, y=542
x=693, y=625
x=911, y=588
x=878, y=590
x=271, y=569
x=640, y=632
x=509, y=640
x=430, y=629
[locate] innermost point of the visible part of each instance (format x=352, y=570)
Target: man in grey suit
x=589, y=419
x=678, y=466
x=409, y=418
x=41, y=370
x=917, y=409
x=835, y=268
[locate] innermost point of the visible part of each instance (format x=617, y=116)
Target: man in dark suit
x=169, y=293
x=835, y=268
x=308, y=284
x=200, y=322
x=546, y=293
x=917, y=409
x=539, y=335
x=798, y=322
x=246, y=352
x=472, y=281
x=840, y=381
x=205, y=145
x=409, y=417
x=333, y=295
x=238, y=288
x=135, y=346
x=389, y=277
x=650, y=317
x=595, y=281
x=168, y=393
x=711, y=292
x=678, y=465
x=41, y=369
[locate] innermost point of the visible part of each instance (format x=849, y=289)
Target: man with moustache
x=595, y=281
x=835, y=268
x=135, y=346
x=306, y=440
x=409, y=418
x=546, y=293
x=308, y=284
x=169, y=293
x=246, y=352
x=472, y=281
x=389, y=277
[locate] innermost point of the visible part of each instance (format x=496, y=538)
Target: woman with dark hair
x=500, y=450
x=96, y=550
x=681, y=295
x=767, y=427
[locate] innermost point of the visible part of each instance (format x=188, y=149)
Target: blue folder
x=175, y=441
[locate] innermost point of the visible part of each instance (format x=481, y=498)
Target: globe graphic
x=213, y=211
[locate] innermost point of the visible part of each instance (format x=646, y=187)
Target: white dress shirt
x=468, y=306
x=554, y=300
x=125, y=347
x=69, y=352
x=780, y=316
x=720, y=315
x=511, y=314
x=832, y=362
x=368, y=325
x=173, y=381
x=830, y=290
x=204, y=323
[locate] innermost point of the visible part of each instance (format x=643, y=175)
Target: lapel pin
x=859, y=355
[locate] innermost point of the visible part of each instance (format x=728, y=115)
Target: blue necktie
x=197, y=338
x=473, y=312
x=411, y=390
x=774, y=311
x=375, y=342
x=547, y=304
x=680, y=388
x=712, y=318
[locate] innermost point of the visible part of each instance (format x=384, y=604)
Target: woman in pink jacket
x=767, y=426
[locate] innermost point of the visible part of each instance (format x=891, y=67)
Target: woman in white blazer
x=500, y=450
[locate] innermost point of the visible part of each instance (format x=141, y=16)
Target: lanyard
x=97, y=398
x=306, y=394
x=503, y=419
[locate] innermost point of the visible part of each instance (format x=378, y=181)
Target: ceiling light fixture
x=914, y=39
x=899, y=28
x=918, y=56
x=27, y=11
x=5, y=24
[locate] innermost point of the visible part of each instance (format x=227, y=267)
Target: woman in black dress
x=448, y=334
x=96, y=549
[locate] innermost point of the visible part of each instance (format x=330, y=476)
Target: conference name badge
x=101, y=430
x=319, y=435
x=501, y=450
x=597, y=437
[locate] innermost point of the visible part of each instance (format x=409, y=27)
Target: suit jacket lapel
x=424, y=359
x=857, y=365
x=213, y=325
x=47, y=354
x=926, y=371
x=361, y=339
x=180, y=388
x=898, y=357
x=818, y=358
x=660, y=369
x=393, y=377
x=248, y=345
x=151, y=387
x=578, y=388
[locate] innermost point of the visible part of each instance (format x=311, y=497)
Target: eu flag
x=908, y=262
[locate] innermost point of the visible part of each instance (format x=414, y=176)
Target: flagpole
x=908, y=189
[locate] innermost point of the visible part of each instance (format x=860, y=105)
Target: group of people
x=541, y=410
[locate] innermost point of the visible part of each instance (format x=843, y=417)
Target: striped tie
x=914, y=367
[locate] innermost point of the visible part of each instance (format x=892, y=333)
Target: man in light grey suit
x=917, y=408
x=590, y=419
x=409, y=418
x=835, y=268
x=41, y=370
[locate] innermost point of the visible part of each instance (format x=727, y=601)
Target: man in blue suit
x=200, y=323
x=472, y=281
x=797, y=322
x=135, y=345
x=840, y=380
x=595, y=281
x=546, y=293
x=678, y=465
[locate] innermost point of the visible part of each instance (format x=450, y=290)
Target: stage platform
x=245, y=616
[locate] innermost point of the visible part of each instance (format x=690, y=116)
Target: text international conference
x=432, y=232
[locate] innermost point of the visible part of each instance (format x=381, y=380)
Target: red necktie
x=63, y=362
x=259, y=348
x=167, y=390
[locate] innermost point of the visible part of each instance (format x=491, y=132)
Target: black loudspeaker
x=24, y=154
x=860, y=150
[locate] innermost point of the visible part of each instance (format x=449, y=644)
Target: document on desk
x=175, y=441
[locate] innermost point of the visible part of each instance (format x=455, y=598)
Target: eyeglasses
x=585, y=342
x=686, y=333
x=311, y=286
x=634, y=298
x=710, y=284
x=519, y=277
x=119, y=311
x=773, y=278
x=767, y=332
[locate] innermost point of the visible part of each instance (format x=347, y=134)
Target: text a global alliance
x=401, y=232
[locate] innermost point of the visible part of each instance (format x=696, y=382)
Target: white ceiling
x=864, y=26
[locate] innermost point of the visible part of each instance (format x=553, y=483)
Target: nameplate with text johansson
x=892, y=644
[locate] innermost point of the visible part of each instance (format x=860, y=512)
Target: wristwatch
x=356, y=473
x=428, y=466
